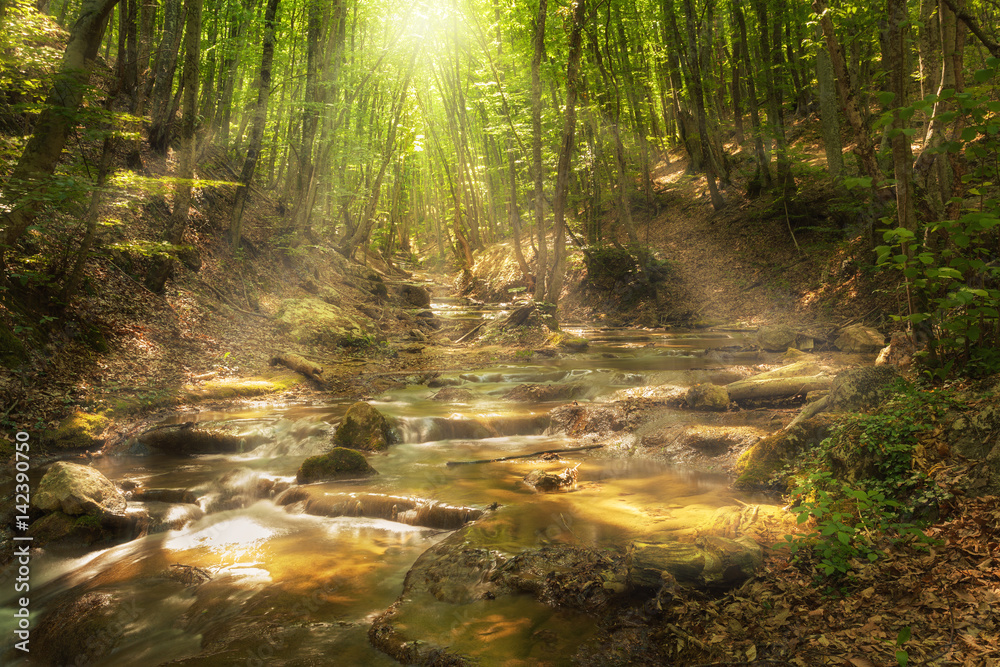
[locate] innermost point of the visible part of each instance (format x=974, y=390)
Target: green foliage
x=950, y=268
x=864, y=489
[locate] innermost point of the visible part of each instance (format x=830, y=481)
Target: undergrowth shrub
x=866, y=488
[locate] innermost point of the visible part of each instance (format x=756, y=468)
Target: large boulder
x=75, y=489
x=776, y=338
x=364, y=428
x=312, y=321
x=338, y=463
x=859, y=338
x=415, y=295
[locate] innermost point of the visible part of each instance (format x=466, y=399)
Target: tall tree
x=257, y=130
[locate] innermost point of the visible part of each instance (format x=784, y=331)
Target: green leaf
x=903, y=636
x=983, y=75
x=886, y=97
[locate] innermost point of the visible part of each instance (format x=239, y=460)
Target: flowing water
x=248, y=581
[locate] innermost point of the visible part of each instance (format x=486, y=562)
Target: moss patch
x=315, y=322
x=225, y=388
x=80, y=430
x=338, y=463
x=12, y=350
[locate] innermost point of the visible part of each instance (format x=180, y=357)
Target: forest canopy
x=441, y=127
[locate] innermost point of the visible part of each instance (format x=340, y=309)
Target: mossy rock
x=565, y=341
x=338, y=463
x=758, y=467
x=862, y=388
x=364, y=428
x=81, y=430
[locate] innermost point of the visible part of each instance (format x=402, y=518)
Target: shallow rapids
x=242, y=579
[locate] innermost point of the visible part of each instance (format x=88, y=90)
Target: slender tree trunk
x=257, y=132
x=770, y=46
x=763, y=160
x=367, y=221
x=694, y=66
x=536, y=148
x=515, y=221
x=161, y=95
x=160, y=269
x=566, y=151
x=902, y=156
x=929, y=45
x=828, y=112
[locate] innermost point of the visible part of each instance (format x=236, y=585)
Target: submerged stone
x=338, y=463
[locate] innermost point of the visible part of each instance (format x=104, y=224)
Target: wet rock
x=862, y=388
x=776, y=338
x=82, y=630
x=75, y=489
x=313, y=321
x=707, y=397
x=364, y=428
x=415, y=295
x=764, y=524
x=411, y=511
x=190, y=440
x=859, y=338
x=567, y=342
x=537, y=393
x=580, y=419
x=715, y=562
x=338, y=463
x=454, y=395
x=165, y=496
x=680, y=560
x=434, y=383
x=543, y=481
x=729, y=562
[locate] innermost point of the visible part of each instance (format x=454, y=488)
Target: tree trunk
x=541, y=260
x=828, y=113
x=864, y=147
x=694, y=67
x=159, y=271
x=25, y=190
x=763, y=161
x=257, y=132
x=161, y=95
x=566, y=151
x=902, y=156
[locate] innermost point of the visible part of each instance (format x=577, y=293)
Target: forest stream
x=248, y=560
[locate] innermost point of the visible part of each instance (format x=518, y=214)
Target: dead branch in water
x=526, y=456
